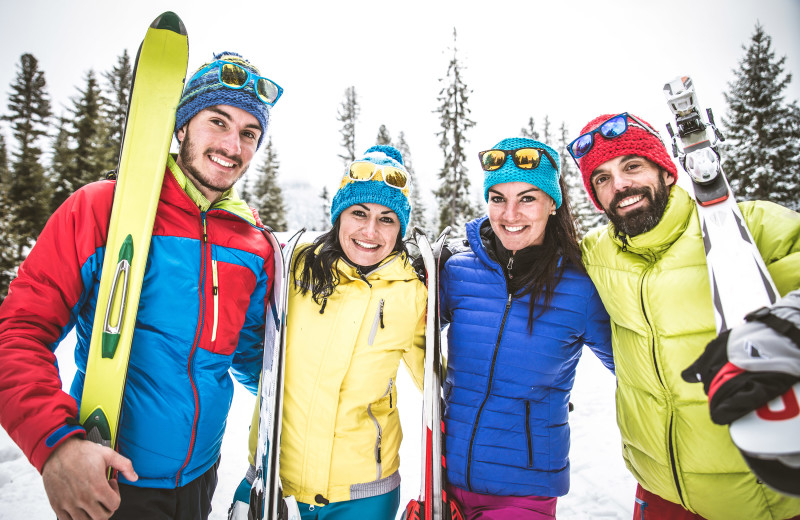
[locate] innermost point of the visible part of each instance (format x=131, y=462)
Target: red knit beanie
x=635, y=141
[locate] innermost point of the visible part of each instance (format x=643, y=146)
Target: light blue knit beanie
x=544, y=176
x=375, y=191
x=206, y=91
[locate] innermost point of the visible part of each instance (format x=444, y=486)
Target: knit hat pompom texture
x=544, y=176
x=635, y=141
x=206, y=91
x=375, y=190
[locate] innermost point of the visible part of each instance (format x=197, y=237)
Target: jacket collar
x=478, y=246
x=392, y=267
x=229, y=201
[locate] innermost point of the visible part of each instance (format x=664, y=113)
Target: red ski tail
x=415, y=510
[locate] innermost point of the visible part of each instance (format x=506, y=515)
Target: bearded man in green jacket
x=649, y=267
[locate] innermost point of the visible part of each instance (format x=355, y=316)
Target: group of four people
x=520, y=302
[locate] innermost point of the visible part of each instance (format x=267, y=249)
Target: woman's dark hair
x=318, y=263
x=560, y=242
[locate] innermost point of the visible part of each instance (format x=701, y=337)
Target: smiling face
x=217, y=145
x=518, y=213
x=633, y=192
x=368, y=233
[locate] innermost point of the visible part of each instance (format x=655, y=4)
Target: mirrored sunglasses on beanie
x=611, y=128
x=236, y=77
x=365, y=171
x=524, y=158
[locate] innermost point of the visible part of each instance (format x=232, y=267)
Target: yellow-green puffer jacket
x=656, y=290
x=341, y=430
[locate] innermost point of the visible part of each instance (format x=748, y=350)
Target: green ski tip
x=170, y=21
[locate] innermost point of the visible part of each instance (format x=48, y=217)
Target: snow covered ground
x=601, y=486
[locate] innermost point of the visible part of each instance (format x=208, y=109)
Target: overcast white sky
x=571, y=60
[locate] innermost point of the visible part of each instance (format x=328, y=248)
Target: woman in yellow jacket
x=356, y=308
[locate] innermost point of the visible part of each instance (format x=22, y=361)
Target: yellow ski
x=159, y=74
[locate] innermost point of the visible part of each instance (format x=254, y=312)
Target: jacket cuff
x=54, y=440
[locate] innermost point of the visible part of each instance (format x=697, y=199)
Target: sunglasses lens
x=361, y=171
x=493, y=159
x=267, y=90
x=614, y=127
x=527, y=158
x=394, y=177
x=232, y=75
x=582, y=145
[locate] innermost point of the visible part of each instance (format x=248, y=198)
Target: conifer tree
x=584, y=212
x=62, y=166
x=383, y=136
x=325, y=204
x=4, y=173
x=117, y=93
x=348, y=115
x=417, y=217
x=90, y=157
x=267, y=193
x=27, y=198
x=453, y=195
x=546, y=131
x=530, y=130
x=8, y=250
x=762, y=150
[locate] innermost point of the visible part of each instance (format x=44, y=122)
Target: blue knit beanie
x=544, y=176
x=206, y=91
x=375, y=190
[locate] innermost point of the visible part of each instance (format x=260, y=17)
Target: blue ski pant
x=381, y=507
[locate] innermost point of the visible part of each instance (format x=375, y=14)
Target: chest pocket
x=227, y=291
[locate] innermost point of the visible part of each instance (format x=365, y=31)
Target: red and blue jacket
x=201, y=314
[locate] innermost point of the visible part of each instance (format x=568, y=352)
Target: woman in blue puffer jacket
x=520, y=307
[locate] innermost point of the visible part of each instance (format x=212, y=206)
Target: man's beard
x=644, y=219
x=187, y=154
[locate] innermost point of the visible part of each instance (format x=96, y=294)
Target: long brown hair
x=560, y=247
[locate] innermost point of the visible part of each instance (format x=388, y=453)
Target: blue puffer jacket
x=507, y=390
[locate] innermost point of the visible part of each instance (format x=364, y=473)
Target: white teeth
x=630, y=200
x=366, y=245
x=221, y=162
x=513, y=229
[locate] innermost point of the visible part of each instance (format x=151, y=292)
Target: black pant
x=189, y=502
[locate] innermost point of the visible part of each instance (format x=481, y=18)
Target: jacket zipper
x=671, y=446
x=379, y=429
x=528, y=432
x=204, y=254
x=488, y=390
x=215, y=281
x=377, y=321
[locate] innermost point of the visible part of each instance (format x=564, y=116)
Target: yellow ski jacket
x=656, y=290
x=341, y=429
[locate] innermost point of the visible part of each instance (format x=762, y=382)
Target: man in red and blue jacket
x=201, y=314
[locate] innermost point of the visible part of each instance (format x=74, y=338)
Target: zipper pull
x=205, y=230
x=381, y=312
x=624, y=240
x=509, y=266
x=361, y=275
